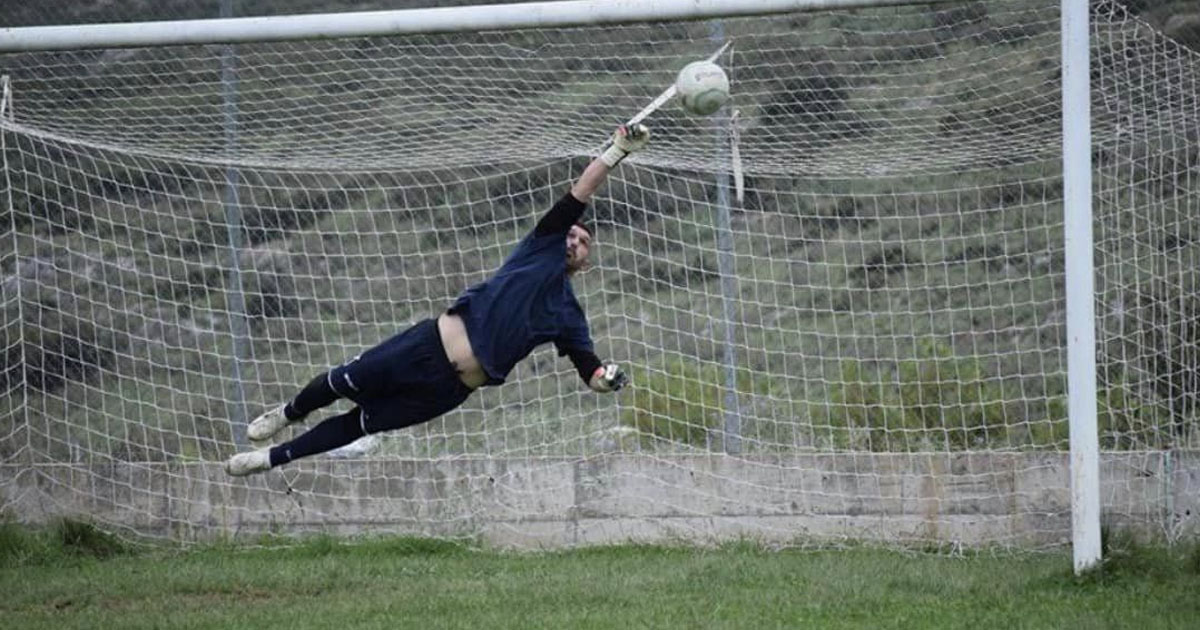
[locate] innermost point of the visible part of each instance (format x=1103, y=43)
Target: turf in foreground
x=74, y=577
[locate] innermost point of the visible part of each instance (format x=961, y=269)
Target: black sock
x=330, y=434
x=315, y=395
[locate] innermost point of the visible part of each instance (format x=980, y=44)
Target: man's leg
x=369, y=375
x=405, y=380
x=331, y=433
x=317, y=394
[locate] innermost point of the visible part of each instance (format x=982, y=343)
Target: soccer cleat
x=267, y=425
x=249, y=463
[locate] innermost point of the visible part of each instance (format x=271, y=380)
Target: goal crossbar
x=402, y=22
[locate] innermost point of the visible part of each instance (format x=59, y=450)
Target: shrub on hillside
x=933, y=401
x=682, y=401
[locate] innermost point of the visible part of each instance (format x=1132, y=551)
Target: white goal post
x=885, y=338
x=1080, y=280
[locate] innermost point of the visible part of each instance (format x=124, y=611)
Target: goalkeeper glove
x=609, y=378
x=626, y=140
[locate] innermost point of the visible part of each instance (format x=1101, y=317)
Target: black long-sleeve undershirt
x=585, y=362
x=561, y=217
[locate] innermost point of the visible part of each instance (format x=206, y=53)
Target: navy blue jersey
x=529, y=301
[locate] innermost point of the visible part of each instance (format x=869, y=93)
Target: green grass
x=407, y=583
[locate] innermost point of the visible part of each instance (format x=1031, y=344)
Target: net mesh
x=868, y=343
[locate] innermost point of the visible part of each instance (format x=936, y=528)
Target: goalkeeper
x=433, y=367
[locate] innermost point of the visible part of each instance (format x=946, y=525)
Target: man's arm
x=590, y=181
x=603, y=377
x=574, y=341
x=586, y=363
x=626, y=139
x=561, y=217
x=567, y=211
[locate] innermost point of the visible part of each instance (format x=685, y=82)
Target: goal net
x=840, y=299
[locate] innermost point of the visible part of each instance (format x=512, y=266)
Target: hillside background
x=897, y=259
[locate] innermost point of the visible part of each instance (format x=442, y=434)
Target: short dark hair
x=586, y=228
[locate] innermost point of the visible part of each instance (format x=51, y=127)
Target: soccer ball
x=703, y=87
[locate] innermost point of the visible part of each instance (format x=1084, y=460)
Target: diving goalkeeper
x=434, y=366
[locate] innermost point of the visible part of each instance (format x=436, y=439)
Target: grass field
x=75, y=577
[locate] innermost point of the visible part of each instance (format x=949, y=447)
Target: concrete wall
x=970, y=499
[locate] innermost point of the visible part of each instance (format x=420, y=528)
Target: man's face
x=579, y=244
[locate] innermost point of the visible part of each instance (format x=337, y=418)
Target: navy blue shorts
x=402, y=381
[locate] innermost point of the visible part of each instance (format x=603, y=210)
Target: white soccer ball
x=703, y=87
